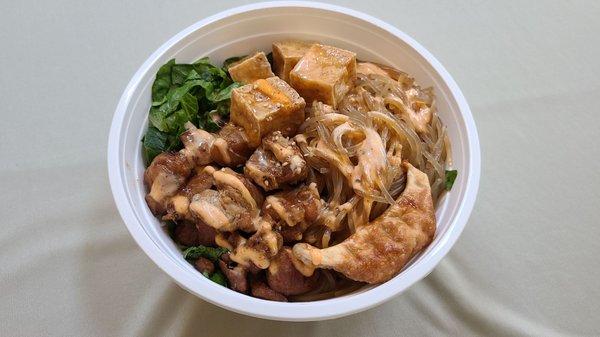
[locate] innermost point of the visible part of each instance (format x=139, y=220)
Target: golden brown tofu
x=251, y=69
x=286, y=54
x=324, y=74
x=265, y=106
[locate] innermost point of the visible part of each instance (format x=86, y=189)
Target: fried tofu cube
x=264, y=106
x=251, y=69
x=286, y=55
x=324, y=74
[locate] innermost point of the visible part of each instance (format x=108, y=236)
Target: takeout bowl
x=245, y=29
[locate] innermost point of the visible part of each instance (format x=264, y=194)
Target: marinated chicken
x=285, y=279
x=277, y=162
x=204, y=265
x=229, y=147
x=164, y=177
x=261, y=290
x=234, y=205
x=237, y=275
x=260, y=248
x=193, y=234
x=293, y=211
x=178, y=205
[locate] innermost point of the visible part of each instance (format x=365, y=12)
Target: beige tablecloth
x=526, y=264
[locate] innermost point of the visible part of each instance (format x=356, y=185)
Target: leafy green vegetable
x=154, y=142
x=199, y=93
x=223, y=94
x=162, y=83
x=210, y=253
x=214, y=119
x=450, y=178
x=180, y=73
x=232, y=60
x=219, y=277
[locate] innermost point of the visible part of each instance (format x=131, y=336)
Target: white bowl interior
x=241, y=32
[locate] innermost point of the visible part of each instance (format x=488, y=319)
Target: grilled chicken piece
x=286, y=55
x=261, y=290
x=251, y=69
x=229, y=147
x=260, y=248
x=166, y=174
x=197, y=144
x=236, y=275
x=264, y=106
x=193, y=234
x=276, y=163
x=379, y=250
x=234, y=205
x=294, y=211
x=284, y=278
x=229, y=240
x=324, y=74
x=186, y=234
x=178, y=205
x=204, y=265
x=237, y=187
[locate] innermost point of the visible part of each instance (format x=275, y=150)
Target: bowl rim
x=297, y=311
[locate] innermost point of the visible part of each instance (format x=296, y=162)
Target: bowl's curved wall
x=243, y=30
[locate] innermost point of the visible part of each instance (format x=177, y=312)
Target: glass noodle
x=373, y=130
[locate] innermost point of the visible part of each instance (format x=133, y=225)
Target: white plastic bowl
x=245, y=29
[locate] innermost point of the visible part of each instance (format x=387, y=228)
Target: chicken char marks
x=233, y=205
x=177, y=207
x=284, y=278
x=276, y=163
x=229, y=147
x=293, y=211
x=166, y=174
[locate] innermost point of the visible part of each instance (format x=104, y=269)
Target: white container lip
x=299, y=311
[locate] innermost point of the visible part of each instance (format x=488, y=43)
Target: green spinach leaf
x=198, y=93
x=211, y=253
x=180, y=73
x=450, y=178
x=154, y=143
x=162, y=83
x=219, y=277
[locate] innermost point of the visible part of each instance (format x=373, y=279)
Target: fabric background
x=527, y=263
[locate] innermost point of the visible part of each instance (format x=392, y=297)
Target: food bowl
x=245, y=29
